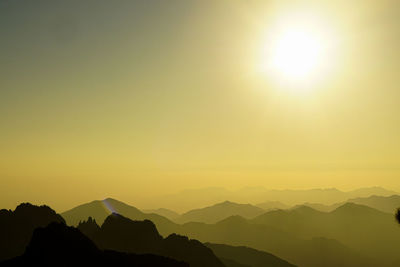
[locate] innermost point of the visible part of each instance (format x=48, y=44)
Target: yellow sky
x=142, y=99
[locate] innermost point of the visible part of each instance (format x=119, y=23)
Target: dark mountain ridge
x=60, y=245
x=100, y=209
x=16, y=227
x=125, y=235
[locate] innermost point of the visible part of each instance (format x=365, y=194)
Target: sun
x=296, y=53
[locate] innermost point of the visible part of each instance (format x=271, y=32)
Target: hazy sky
x=132, y=98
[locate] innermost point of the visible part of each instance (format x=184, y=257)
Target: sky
x=137, y=98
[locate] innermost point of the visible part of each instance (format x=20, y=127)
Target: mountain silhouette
x=320, y=207
x=203, y=197
x=60, y=245
x=125, y=235
x=298, y=250
x=388, y=204
x=89, y=227
x=16, y=227
x=167, y=213
x=219, y=212
x=247, y=256
x=295, y=234
x=345, y=224
x=100, y=209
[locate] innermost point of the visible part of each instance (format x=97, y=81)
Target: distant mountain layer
x=237, y=231
x=189, y=199
x=366, y=230
x=219, y=212
x=386, y=204
x=60, y=245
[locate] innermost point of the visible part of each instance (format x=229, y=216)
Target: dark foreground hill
x=122, y=234
x=60, y=245
x=247, y=256
x=16, y=227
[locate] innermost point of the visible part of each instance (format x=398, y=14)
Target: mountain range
x=100, y=209
x=119, y=241
x=219, y=212
x=388, y=204
x=60, y=245
x=186, y=200
x=16, y=227
x=301, y=235
x=121, y=234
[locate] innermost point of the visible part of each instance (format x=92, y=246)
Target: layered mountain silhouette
x=188, y=199
x=246, y=256
x=60, y=245
x=122, y=234
x=100, y=209
x=387, y=204
x=367, y=230
x=16, y=227
x=238, y=231
x=320, y=207
x=219, y=212
x=302, y=235
x=109, y=237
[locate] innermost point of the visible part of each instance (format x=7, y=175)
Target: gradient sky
x=137, y=98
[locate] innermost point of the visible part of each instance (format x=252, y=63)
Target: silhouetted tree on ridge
x=89, y=227
x=398, y=215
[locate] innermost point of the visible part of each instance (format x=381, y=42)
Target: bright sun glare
x=296, y=53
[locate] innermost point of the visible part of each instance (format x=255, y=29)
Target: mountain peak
x=355, y=209
x=226, y=203
x=304, y=209
x=117, y=220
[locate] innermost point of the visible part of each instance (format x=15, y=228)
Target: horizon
x=142, y=203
